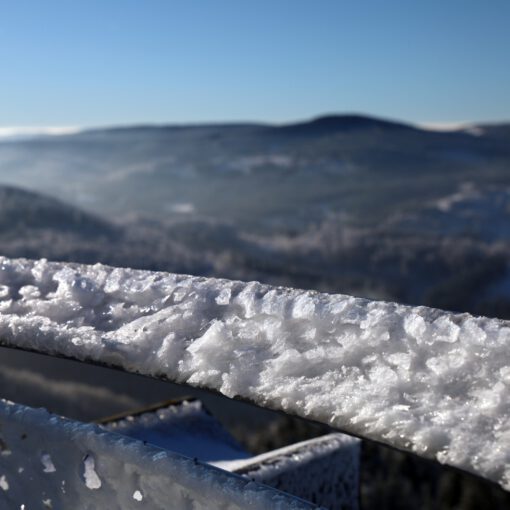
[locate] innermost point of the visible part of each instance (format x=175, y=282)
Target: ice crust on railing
x=324, y=470
x=419, y=379
x=51, y=462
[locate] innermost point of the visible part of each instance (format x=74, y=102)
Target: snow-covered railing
x=324, y=470
x=50, y=462
x=419, y=379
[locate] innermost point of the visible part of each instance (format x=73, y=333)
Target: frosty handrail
x=419, y=379
x=125, y=469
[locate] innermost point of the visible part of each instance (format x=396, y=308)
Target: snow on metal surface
x=324, y=470
x=51, y=462
x=419, y=379
x=183, y=427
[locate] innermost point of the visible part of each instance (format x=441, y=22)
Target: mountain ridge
x=318, y=125
x=42, y=211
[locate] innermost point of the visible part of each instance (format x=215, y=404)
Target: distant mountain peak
x=343, y=123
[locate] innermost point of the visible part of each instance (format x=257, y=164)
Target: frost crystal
x=49, y=467
x=4, y=484
x=92, y=480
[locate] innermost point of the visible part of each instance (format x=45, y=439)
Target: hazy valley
x=342, y=203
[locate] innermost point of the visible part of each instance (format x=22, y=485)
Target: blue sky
x=129, y=61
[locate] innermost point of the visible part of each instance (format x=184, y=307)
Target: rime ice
x=419, y=379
